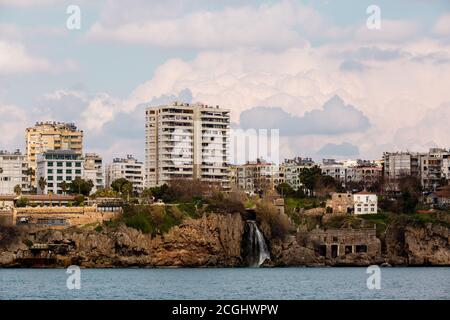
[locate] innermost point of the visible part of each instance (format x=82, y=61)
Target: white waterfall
x=258, y=247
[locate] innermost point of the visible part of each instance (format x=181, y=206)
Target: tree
x=30, y=174
x=42, y=183
x=122, y=186
x=17, y=190
x=22, y=202
x=313, y=179
x=285, y=189
x=147, y=195
x=64, y=186
x=81, y=186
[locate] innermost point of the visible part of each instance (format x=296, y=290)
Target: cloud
x=12, y=126
x=14, y=59
x=442, y=25
x=334, y=118
x=352, y=65
x=431, y=131
x=344, y=149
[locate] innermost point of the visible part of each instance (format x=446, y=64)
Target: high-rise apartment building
x=56, y=167
x=93, y=170
x=45, y=136
x=128, y=168
x=13, y=172
x=187, y=141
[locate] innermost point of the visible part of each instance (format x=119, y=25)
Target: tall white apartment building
x=129, y=168
x=187, y=141
x=57, y=166
x=93, y=170
x=13, y=172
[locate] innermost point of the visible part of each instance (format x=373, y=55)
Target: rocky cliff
x=211, y=241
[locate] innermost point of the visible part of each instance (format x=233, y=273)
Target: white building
x=365, y=203
x=291, y=168
x=93, y=170
x=128, y=168
x=13, y=172
x=57, y=166
x=187, y=141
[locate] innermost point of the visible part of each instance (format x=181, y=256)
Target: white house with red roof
x=365, y=203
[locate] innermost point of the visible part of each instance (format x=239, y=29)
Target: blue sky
x=292, y=56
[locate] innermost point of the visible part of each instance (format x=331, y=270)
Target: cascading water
x=256, y=247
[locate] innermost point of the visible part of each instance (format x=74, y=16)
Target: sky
x=312, y=69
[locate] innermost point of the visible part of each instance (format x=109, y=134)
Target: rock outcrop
x=427, y=244
x=214, y=240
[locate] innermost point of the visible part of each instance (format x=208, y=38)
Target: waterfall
x=257, y=251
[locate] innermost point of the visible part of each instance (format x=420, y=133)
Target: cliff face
x=213, y=240
x=418, y=245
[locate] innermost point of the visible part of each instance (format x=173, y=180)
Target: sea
x=227, y=283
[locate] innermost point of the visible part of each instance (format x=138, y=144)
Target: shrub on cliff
x=273, y=223
x=226, y=203
x=151, y=219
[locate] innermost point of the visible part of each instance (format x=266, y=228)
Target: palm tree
x=42, y=183
x=30, y=173
x=17, y=190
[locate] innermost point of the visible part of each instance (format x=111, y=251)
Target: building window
x=69, y=164
x=50, y=178
x=60, y=171
x=59, y=178
x=77, y=171
x=69, y=171
x=50, y=171
x=59, y=164
x=50, y=164
x=78, y=164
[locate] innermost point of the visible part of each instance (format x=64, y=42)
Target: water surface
x=238, y=283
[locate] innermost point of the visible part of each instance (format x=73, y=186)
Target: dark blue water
x=249, y=283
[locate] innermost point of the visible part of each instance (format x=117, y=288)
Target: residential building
x=432, y=169
x=291, y=168
x=93, y=170
x=45, y=136
x=129, y=168
x=258, y=176
x=56, y=167
x=400, y=164
x=13, y=172
x=365, y=203
x=187, y=141
x=446, y=168
x=335, y=169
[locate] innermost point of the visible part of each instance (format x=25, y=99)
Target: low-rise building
x=365, y=203
x=13, y=172
x=258, y=176
x=336, y=243
x=129, y=168
x=340, y=203
x=56, y=167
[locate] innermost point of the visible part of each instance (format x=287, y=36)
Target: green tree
x=30, y=174
x=309, y=178
x=17, y=190
x=42, y=183
x=64, y=186
x=122, y=186
x=285, y=190
x=22, y=202
x=81, y=186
